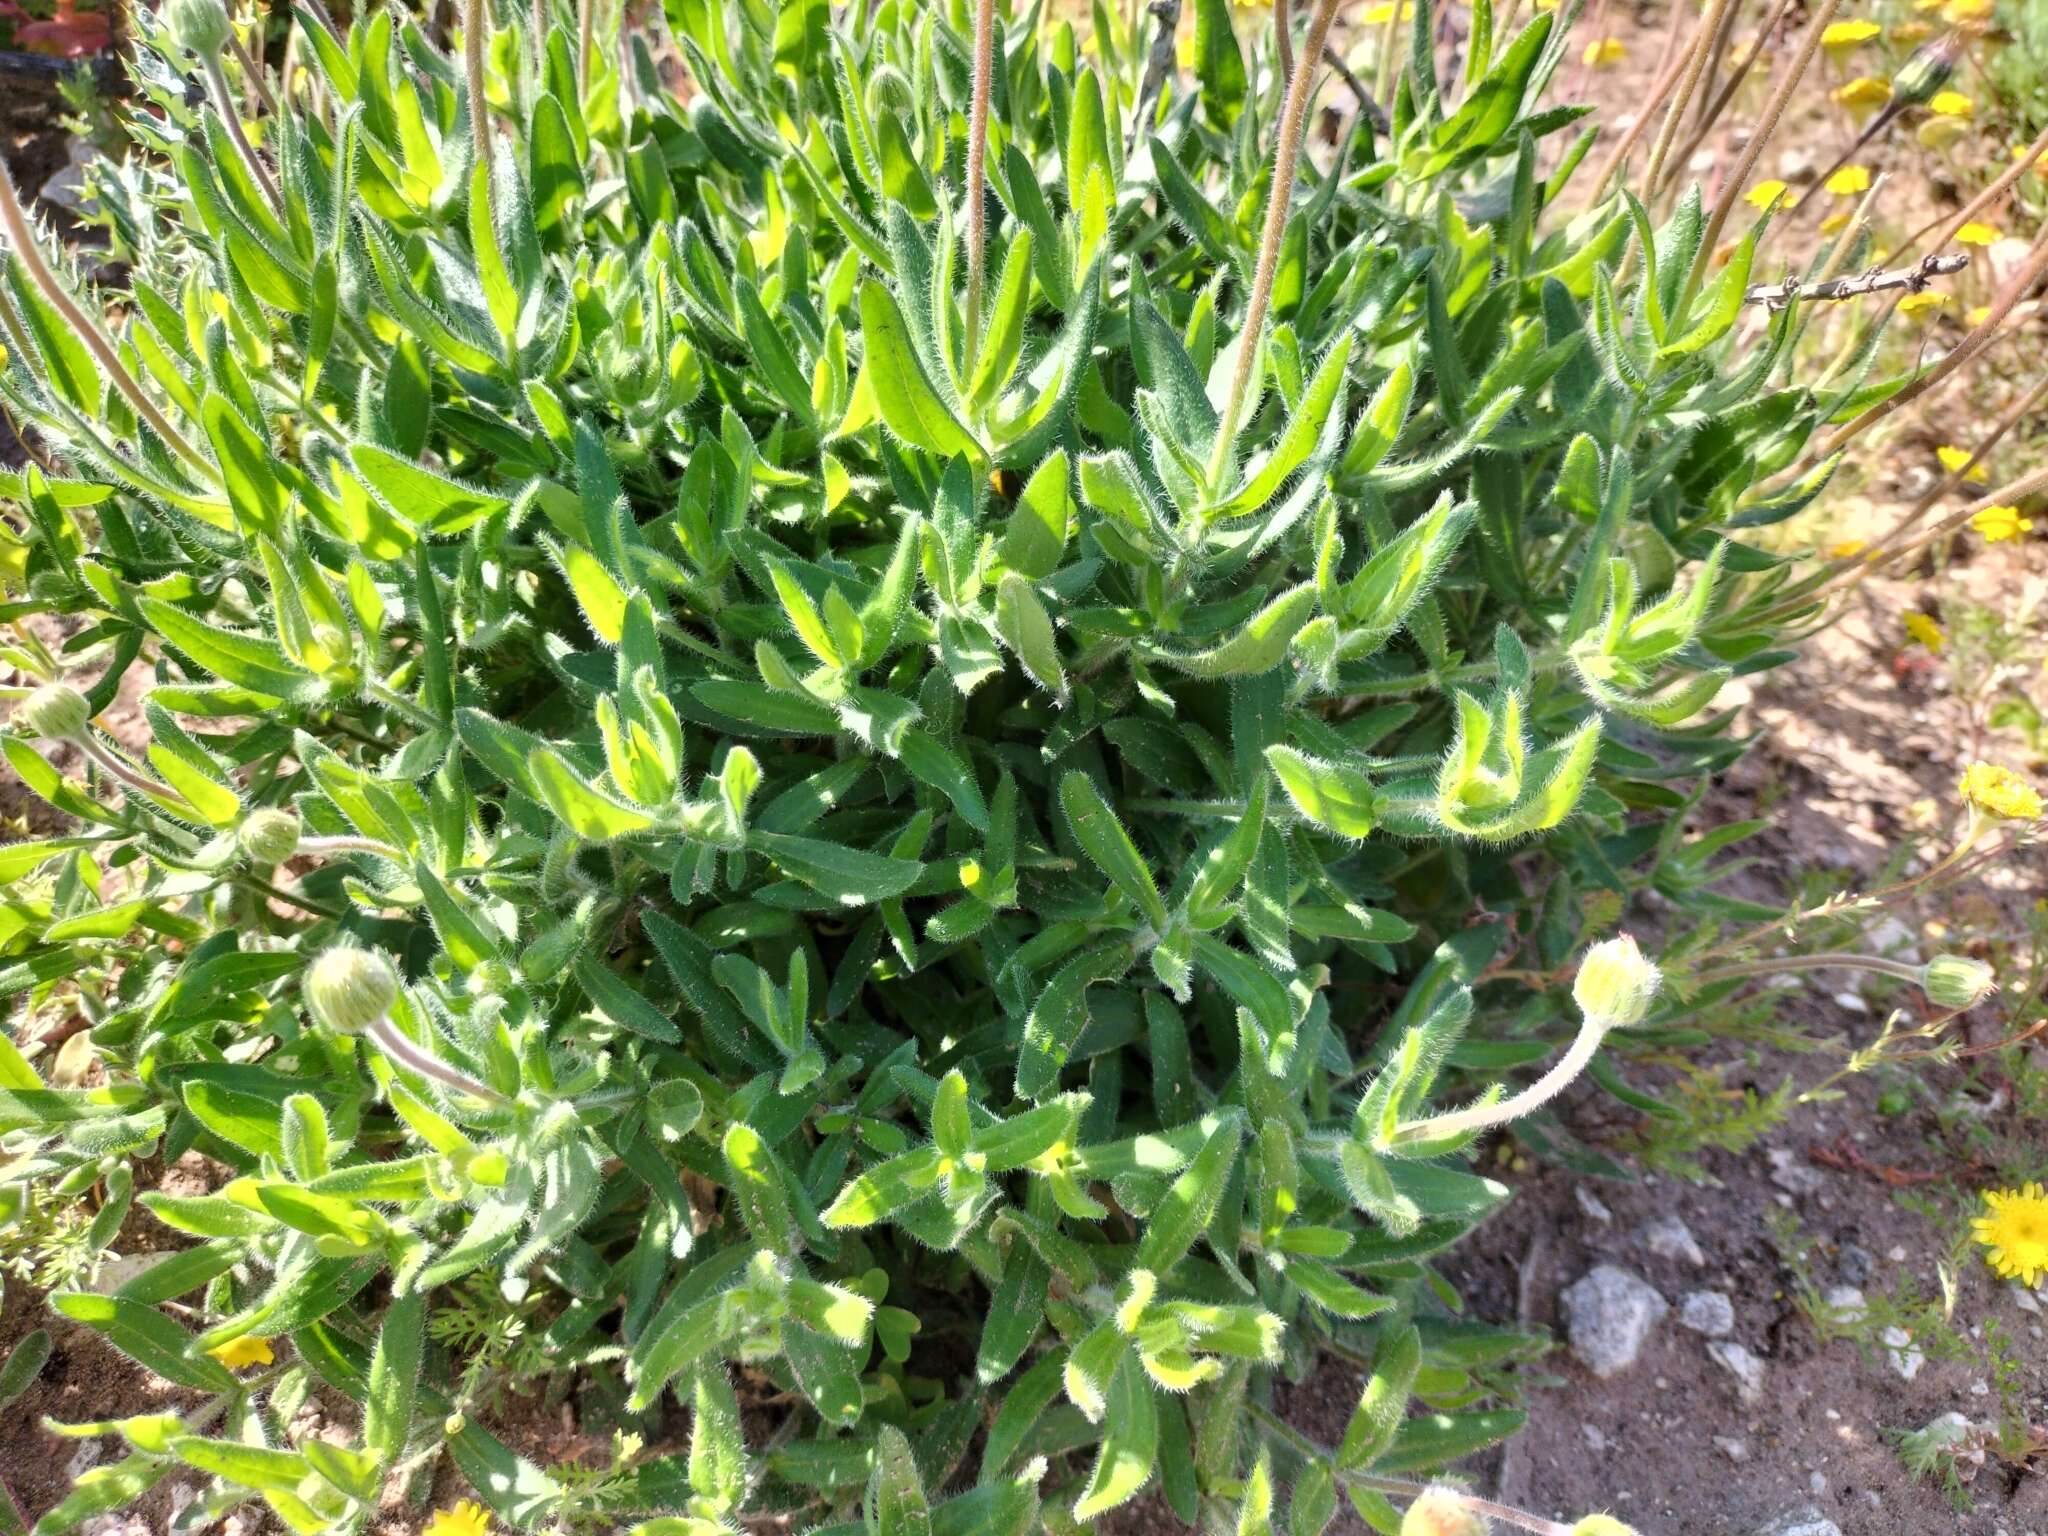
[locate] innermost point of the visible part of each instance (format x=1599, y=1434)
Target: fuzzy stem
x=543, y=22
x=1767, y=124
x=1480, y=1117
x=977, y=170
x=328, y=847
x=586, y=30
x=14, y=221
x=224, y=101
x=1696, y=65
x=1611, y=167
x=400, y=704
x=475, y=29
x=98, y=751
x=1823, y=961
x=1710, y=114
x=1286, y=156
x=1283, y=37
x=252, y=74
x=393, y=1042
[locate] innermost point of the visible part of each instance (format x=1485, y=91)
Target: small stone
x=1707, y=1312
x=1854, y=1264
x=1595, y=1441
x=1669, y=1238
x=1735, y=1450
x=1804, y=1521
x=2024, y=1299
x=1906, y=1359
x=1895, y=940
x=1609, y=1316
x=1745, y=1367
x=1851, y=1002
x=1818, y=1482
x=1790, y=1174
x=1845, y=1304
x=89, y=1454
x=1590, y=1204
x=1896, y=1254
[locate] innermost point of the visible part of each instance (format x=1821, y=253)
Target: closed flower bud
x=1956, y=981
x=53, y=712
x=199, y=26
x=1602, y=1525
x=1925, y=73
x=350, y=989
x=1616, y=984
x=1440, y=1512
x=268, y=836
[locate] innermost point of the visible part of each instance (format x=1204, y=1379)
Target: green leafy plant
x=788, y=773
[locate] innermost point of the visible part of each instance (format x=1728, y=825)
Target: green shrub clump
x=853, y=741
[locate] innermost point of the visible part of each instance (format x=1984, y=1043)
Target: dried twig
x=1875, y=280
x=1167, y=14
x=1374, y=112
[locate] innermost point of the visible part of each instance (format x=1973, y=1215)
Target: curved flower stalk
x=352, y=991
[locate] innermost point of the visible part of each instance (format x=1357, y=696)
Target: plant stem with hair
x=231, y=115
x=1286, y=157
x=1695, y=66
x=475, y=28
x=977, y=170
x=1710, y=114
x=1480, y=1117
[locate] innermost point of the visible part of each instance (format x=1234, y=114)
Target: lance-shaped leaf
x=1103, y=838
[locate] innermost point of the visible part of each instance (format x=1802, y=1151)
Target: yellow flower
x=1765, y=193
x=237, y=1353
x=1606, y=52
x=1907, y=33
x=1922, y=303
x=1926, y=631
x=1379, y=15
x=1954, y=458
x=2015, y=1233
x=1849, y=180
x=1951, y=104
x=1957, y=12
x=1976, y=233
x=1863, y=91
x=1849, y=34
x=1847, y=549
x=1997, y=524
x=1976, y=317
x=1999, y=793
x=465, y=1519
x=1834, y=222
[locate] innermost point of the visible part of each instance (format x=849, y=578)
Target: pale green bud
x=1602, y=1525
x=268, y=836
x=199, y=26
x=349, y=989
x=54, y=712
x=1440, y=1512
x=1956, y=981
x=1616, y=983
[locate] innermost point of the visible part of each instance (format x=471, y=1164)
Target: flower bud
x=1602, y=1525
x=199, y=26
x=1956, y=981
x=268, y=836
x=1925, y=73
x=1440, y=1512
x=350, y=989
x=54, y=712
x=1616, y=985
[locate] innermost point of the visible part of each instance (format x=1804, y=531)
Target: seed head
x=55, y=712
x=1957, y=981
x=1616, y=984
x=268, y=836
x=349, y=989
x=199, y=26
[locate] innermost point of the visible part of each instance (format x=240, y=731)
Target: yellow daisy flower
x=1922, y=303
x=1765, y=193
x=239, y=1353
x=1863, y=91
x=1975, y=233
x=1849, y=180
x=2015, y=1233
x=1951, y=104
x=465, y=1519
x=1960, y=12
x=1849, y=34
x=1997, y=524
x=1954, y=458
x=1605, y=53
x=1926, y=631
x=1999, y=793
x=1847, y=549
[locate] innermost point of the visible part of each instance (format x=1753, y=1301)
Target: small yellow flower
x=1847, y=549
x=2015, y=1233
x=1605, y=53
x=1922, y=303
x=465, y=1519
x=1997, y=524
x=1765, y=193
x=1951, y=104
x=1849, y=34
x=1926, y=631
x=970, y=873
x=1977, y=233
x=1954, y=458
x=1976, y=317
x=1907, y=33
x=239, y=1353
x=1863, y=91
x=1379, y=15
x=1849, y=180
x=1960, y=12
x=1999, y=793
x=1834, y=223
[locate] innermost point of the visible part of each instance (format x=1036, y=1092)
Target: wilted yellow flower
x=1951, y=104
x=1924, y=302
x=2015, y=1232
x=1954, y=458
x=239, y=1353
x=1849, y=180
x=1847, y=549
x=1849, y=34
x=1381, y=14
x=1997, y=524
x=1863, y=91
x=1605, y=53
x=465, y=1519
x=1765, y=193
x=1926, y=631
x=1976, y=233
x=2000, y=793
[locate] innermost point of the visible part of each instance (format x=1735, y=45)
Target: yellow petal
x=1849, y=180
x=1974, y=233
